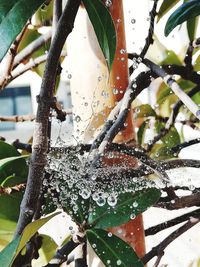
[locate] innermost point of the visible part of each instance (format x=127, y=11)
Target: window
x=14, y=101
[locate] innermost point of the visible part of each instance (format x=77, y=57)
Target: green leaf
x=145, y=110
x=6, y=161
x=112, y=250
x=165, y=7
x=161, y=152
x=172, y=138
x=103, y=27
x=192, y=25
x=46, y=252
x=141, y=132
x=10, y=206
x=17, y=167
x=128, y=206
x=9, y=253
x=185, y=12
x=171, y=58
x=13, y=16
x=7, y=229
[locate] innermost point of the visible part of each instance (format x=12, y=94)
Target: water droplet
x=133, y=21
x=101, y=201
x=109, y=234
x=77, y=118
x=108, y=3
x=94, y=245
x=69, y=76
x=115, y=91
x=135, y=204
x=119, y=262
x=122, y=51
x=112, y=200
x=132, y=216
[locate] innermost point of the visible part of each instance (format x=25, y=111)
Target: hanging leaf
x=112, y=250
x=13, y=16
x=165, y=7
x=103, y=27
x=11, y=163
x=141, y=132
x=172, y=138
x=46, y=252
x=192, y=25
x=128, y=206
x=10, y=206
x=185, y=12
x=9, y=253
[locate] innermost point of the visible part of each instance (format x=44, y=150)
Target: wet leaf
x=9, y=253
x=13, y=16
x=171, y=58
x=145, y=110
x=172, y=138
x=185, y=12
x=128, y=206
x=9, y=165
x=112, y=250
x=141, y=132
x=165, y=7
x=46, y=252
x=103, y=27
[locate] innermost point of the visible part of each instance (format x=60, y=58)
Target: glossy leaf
x=6, y=161
x=172, y=138
x=192, y=25
x=112, y=250
x=13, y=168
x=145, y=110
x=141, y=132
x=46, y=252
x=13, y=16
x=165, y=7
x=7, y=229
x=10, y=206
x=103, y=27
x=9, y=253
x=161, y=152
x=185, y=12
x=128, y=206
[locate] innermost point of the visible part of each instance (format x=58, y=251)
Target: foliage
x=90, y=216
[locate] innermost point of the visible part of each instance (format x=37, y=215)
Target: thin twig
x=31, y=48
x=31, y=117
x=176, y=149
x=40, y=145
x=159, y=249
x=171, y=120
x=149, y=39
x=12, y=189
x=180, y=202
x=174, y=86
x=8, y=61
x=62, y=254
x=167, y=224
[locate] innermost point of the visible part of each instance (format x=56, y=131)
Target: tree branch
x=31, y=48
x=8, y=61
x=171, y=120
x=167, y=224
x=159, y=249
x=149, y=39
x=40, y=141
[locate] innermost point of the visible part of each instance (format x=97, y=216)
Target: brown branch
x=40, y=140
x=149, y=39
x=171, y=120
x=159, y=249
x=167, y=224
x=12, y=189
x=60, y=115
x=31, y=48
x=180, y=202
x=8, y=61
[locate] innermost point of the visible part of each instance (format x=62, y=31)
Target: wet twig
x=167, y=224
x=159, y=249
